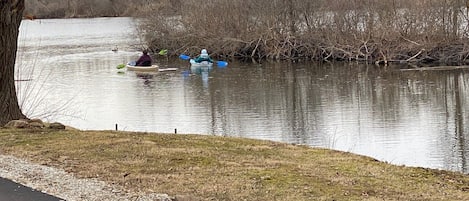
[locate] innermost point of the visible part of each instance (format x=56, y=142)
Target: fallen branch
x=255, y=49
x=413, y=42
x=438, y=68
x=415, y=56
x=24, y=80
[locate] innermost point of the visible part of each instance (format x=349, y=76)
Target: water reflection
x=456, y=89
x=394, y=116
x=147, y=78
x=203, y=71
x=416, y=118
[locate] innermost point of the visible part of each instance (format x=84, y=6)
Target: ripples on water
x=415, y=118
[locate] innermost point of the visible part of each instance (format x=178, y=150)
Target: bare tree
x=455, y=13
x=11, y=12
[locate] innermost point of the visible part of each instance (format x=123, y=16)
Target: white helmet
x=204, y=53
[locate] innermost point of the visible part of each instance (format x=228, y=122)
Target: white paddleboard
x=167, y=69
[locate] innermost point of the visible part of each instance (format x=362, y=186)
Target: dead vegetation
x=371, y=31
x=221, y=168
x=82, y=8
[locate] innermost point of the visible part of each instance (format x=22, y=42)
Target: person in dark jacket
x=144, y=60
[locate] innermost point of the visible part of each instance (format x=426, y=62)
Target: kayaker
x=144, y=60
x=203, y=57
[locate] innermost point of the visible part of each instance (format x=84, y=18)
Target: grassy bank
x=220, y=168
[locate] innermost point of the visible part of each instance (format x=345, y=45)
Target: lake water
x=412, y=118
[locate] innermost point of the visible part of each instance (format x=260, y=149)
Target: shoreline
x=402, y=52
x=138, y=166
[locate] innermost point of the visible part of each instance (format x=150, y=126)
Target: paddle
x=222, y=63
x=219, y=63
x=184, y=57
x=131, y=63
x=120, y=66
x=163, y=52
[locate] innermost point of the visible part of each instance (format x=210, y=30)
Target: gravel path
x=64, y=185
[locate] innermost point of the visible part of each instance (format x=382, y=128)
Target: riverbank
x=419, y=33
x=220, y=168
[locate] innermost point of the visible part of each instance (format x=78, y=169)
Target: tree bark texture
x=11, y=12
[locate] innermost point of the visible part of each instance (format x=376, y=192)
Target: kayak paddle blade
x=163, y=52
x=184, y=57
x=120, y=66
x=222, y=63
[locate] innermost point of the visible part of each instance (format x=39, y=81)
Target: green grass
x=222, y=168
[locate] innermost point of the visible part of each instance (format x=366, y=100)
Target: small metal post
x=117, y=128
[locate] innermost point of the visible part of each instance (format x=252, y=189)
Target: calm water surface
x=413, y=118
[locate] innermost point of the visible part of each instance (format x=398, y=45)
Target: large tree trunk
x=11, y=12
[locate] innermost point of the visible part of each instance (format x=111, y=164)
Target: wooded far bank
x=374, y=31
x=83, y=8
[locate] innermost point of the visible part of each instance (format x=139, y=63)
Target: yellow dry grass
x=222, y=168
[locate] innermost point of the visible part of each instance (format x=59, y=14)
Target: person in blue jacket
x=203, y=57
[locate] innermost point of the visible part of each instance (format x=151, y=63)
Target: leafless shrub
x=84, y=8
x=365, y=30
